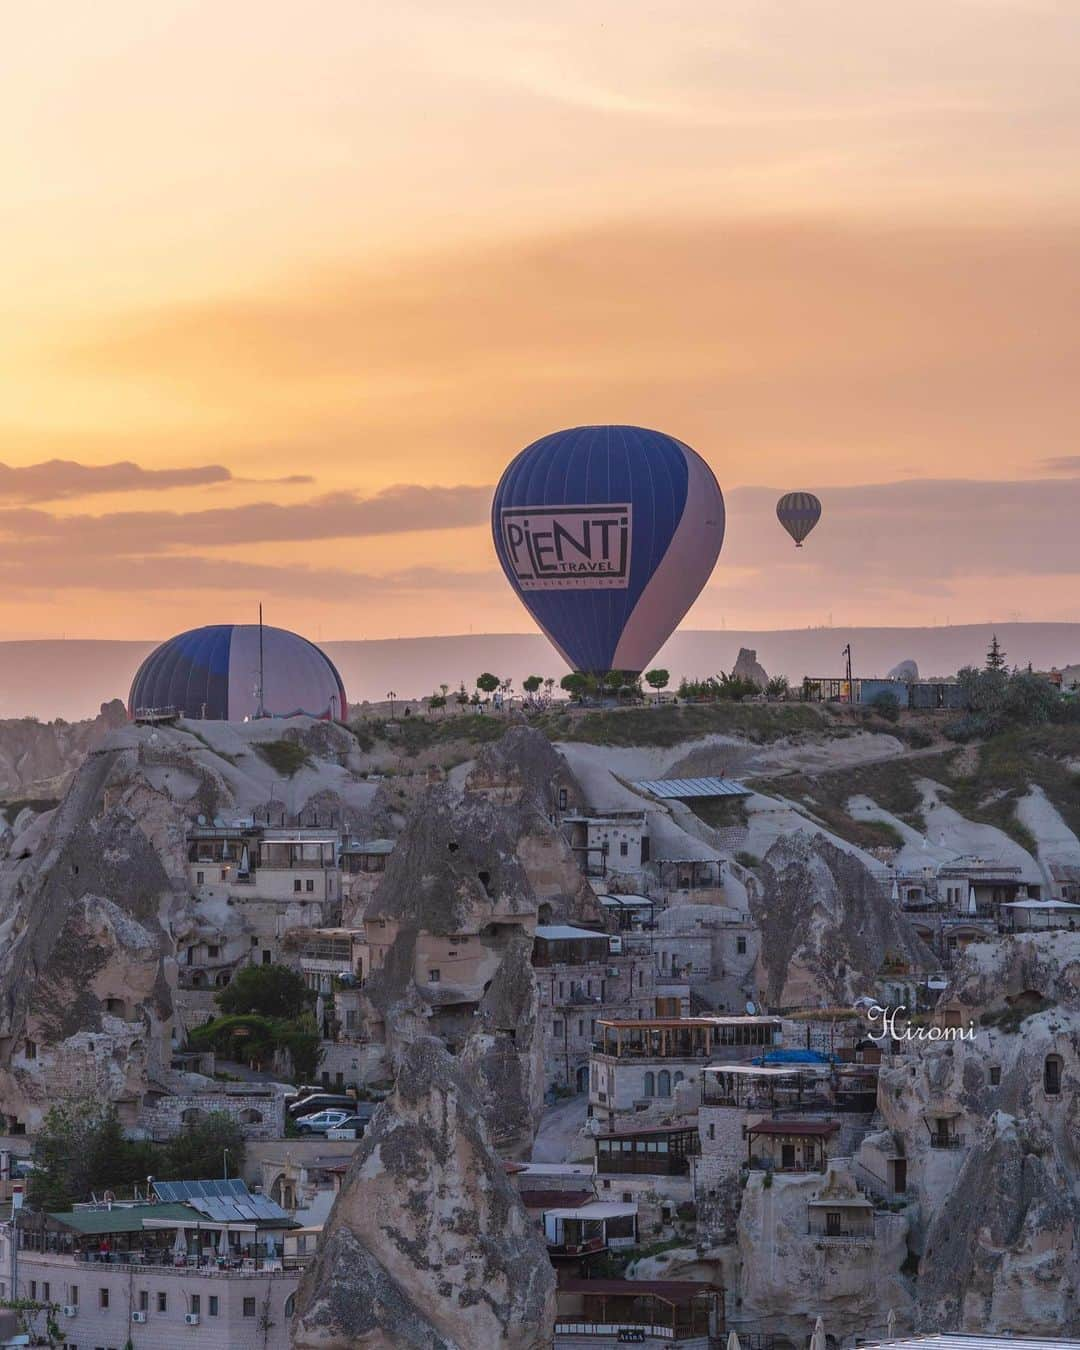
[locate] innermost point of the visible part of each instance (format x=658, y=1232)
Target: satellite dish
x=219, y=822
x=751, y=1010
x=202, y=820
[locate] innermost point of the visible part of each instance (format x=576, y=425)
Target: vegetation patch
x=284, y=757
x=670, y=725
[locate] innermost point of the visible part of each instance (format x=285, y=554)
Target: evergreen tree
x=995, y=657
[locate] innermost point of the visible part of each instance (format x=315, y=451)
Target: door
x=832, y=1223
x=900, y=1175
x=787, y=1157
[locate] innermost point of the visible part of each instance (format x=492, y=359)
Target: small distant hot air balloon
x=798, y=512
x=608, y=534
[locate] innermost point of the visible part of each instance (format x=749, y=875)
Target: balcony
x=948, y=1141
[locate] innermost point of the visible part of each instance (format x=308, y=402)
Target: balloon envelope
x=798, y=512
x=608, y=534
x=214, y=673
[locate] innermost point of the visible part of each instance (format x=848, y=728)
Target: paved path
x=559, y=1128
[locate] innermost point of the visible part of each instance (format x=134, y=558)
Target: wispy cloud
x=67, y=479
x=401, y=509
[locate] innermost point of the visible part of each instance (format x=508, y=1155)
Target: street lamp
x=391, y=696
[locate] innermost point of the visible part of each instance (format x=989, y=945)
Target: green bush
x=284, y=756
x=272, y=991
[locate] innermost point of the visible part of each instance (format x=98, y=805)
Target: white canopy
x=595, y=1210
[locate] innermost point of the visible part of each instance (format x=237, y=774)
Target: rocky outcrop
x=826, y=925
x=84, y=1001
x=747, y=667
x=998, y=1204
x=38, y=759
x=789, y=1275
x=428, y=1246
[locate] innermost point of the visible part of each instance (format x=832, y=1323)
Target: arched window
x=192, y=1116
x=290, y=1305
x=678, y=1077
x=663, y=1084
x=650, y=1084
x=1052, y=1075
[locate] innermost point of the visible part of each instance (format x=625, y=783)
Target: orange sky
x=316, y=273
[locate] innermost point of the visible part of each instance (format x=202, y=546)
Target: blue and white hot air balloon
x=608, y=534
x=233, y=671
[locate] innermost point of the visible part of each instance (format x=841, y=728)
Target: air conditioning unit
x=138, y=1317
x=192, y=1319
x=71, y=1310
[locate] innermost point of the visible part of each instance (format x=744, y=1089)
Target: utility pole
x=260, y=710
x=846, y=653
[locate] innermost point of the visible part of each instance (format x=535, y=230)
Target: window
x=162, y=1301
x=624, y=849
x=267, y=958
x=298, y=885
x=144, y=1301
x=33, y=1289
x=309, y=885
x=995, y=1076
x=212, y=1305
x=249, y=1307
x=581, y=1027
x=224, y=874
x=73, y=1295
x=196, y=1304
x=562, y=799
x=31, y=1049
x=650, y=1084
x=213, y=951
x=712, y=1131
x=434, y=976
x=103, y=1298
x=663, y=1084
x=1052, y=1075
x=556, y=1028
x=200, y=877
x=45, y=1293
x=740, y=946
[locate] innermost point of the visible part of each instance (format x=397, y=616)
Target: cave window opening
x=1052, y=1067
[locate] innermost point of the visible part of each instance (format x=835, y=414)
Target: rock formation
x=747, y=668
x=826, y=924
x=428, y=1246
x=789, y=1275
x=38, y=759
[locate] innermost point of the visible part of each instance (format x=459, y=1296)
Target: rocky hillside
x=428, y=1246
x=38, y=759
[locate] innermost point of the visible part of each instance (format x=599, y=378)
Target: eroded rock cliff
x=428, y=1246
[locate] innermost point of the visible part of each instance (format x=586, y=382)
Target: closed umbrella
x=733, y=1341
x=817, y=1340
x=180, y=1245
x=223, y=1243
x=890, y=1326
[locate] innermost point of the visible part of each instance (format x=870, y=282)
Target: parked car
x=322, y=1101
x=321, y=1121
x=352, y=1127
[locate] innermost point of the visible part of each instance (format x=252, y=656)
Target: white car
x=321, y=1121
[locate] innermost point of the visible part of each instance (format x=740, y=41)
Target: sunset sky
x=286, y=286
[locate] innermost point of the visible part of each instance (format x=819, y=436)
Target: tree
x=658, y=679
x=487, y=682
x=575, y=684
x=462, y=695
x=270, y=991
x=549, y=684
x=777, y=687
x=197, y=1153
x=436, y=701
x=531, y=683
x=995, y=657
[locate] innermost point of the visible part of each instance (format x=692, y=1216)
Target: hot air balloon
x=229, y=672
x=608, y=534
x=798, y=512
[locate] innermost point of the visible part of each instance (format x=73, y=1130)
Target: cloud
x=399, y=509
x=63, y=479
x=1061, y=464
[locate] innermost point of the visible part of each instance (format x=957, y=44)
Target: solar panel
x=221, y=1201
x=675, y=789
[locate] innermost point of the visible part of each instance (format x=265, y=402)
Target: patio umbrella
x=733, y=1341
x=972, y=906
x=271, y=1249
x=890, y=1326
x=895, y=889
x=180, y=1245
x=817, y=1340
x=223, y=1243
